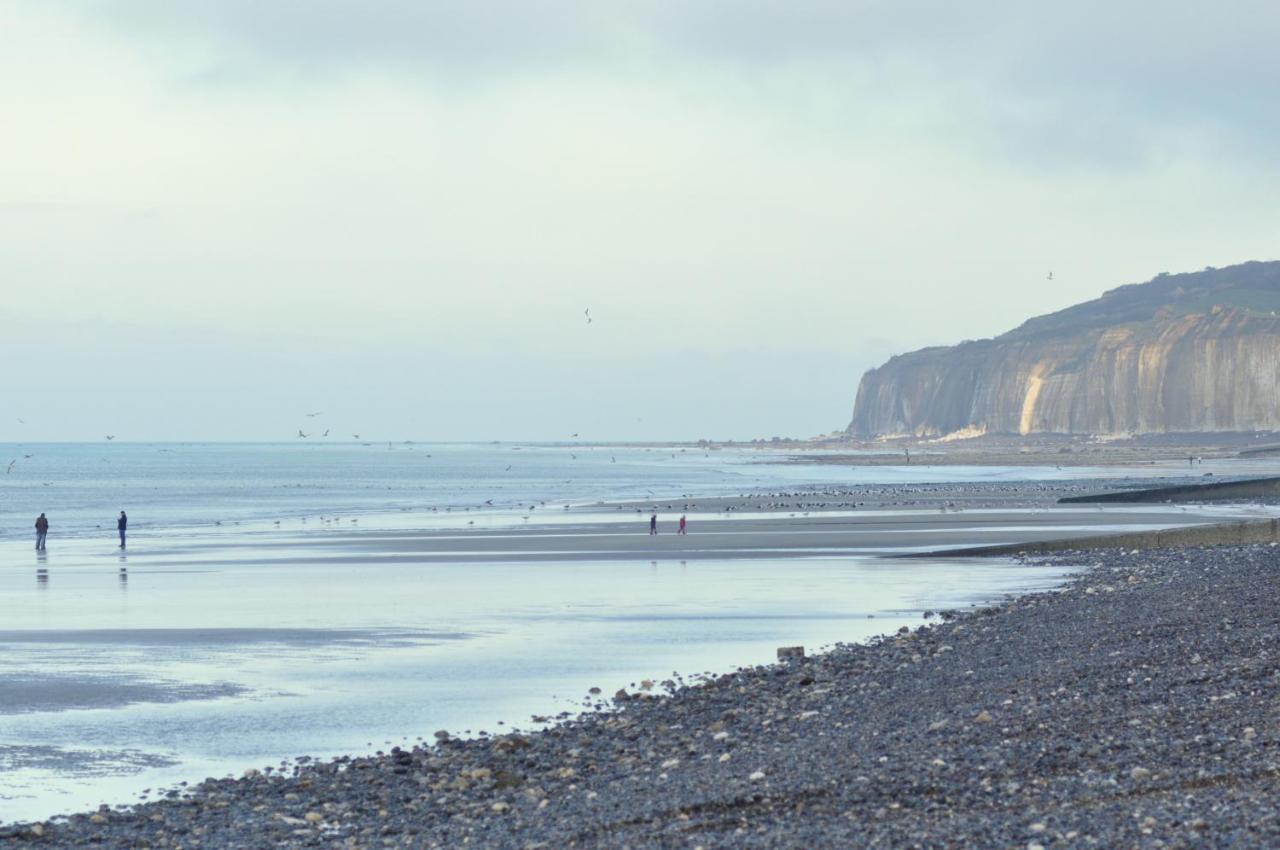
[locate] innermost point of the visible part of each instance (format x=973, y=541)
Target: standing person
x=653, y=523
x=121, y=525
x=682, y=524
x=42, y=528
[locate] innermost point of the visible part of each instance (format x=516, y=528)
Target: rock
x=37, y=829
x=788, y=652
x=97, y=819
x=670, y=763
x=984, y=716
x=621, y=695
x=757, y=776
x=504, y=779
x=499, y=807
x=1139, y=773
x=441, y=735
x=720, y=736
x=313, y=817
x=511, y=743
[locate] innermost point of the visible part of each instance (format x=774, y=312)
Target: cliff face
x=1191, y=352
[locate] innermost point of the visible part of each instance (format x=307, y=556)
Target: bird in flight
x=11, y=464
x=355, y=436
x=314, y=415
x=573, y=435
x=326, y=433
x=508, y=469
x=302, y=435
x=21, y=421
x=1050, y=277
x=587, y=313
x=111, y=436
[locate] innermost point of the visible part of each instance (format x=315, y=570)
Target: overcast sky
x=216, y=215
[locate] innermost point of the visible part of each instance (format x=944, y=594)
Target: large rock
x=1180, y=353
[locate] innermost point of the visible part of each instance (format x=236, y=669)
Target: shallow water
x=83, y=486
x=111, y=685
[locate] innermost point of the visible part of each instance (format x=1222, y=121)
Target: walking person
x=682, y=524
x=653, y=523
x=42, y=528
x=121, y=525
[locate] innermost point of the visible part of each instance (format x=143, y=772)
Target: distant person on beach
x=42, y=528
x=122, y=524
x=682, y=524
x=653, y=524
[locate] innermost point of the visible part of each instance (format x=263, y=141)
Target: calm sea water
x=83, y=486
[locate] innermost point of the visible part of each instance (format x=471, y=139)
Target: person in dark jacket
x=122, y=524
x=42, y=528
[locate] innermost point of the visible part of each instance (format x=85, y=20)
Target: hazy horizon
x=220, y=215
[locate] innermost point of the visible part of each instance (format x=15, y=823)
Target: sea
x=127, y=675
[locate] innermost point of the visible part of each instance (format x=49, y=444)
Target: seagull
x=314, y=415
x=111, y=436
x=508, y=469
x=302, y=435
x=1050, y=277
x=355, y=436
x=11, y=463
x=21, y=421
x=326, y=433
x=573, y=435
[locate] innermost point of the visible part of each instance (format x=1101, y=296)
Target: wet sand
x=713, y=533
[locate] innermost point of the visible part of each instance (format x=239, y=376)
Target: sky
x=219, y=215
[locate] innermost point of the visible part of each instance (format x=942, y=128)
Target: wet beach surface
x=207, y=652
x=1133, y=708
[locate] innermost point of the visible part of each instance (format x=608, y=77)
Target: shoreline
x=1130, y=706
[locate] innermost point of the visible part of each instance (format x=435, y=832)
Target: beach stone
x=757, y=776
x=313, y=817
x=37, y=829
x=724, y=758
x=97, y=819
x=499, y=807
x=984, y=716
x=441, y=735
x=1139, y=773
x=786, y=652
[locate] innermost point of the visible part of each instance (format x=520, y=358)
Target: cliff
x=1180, y=353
